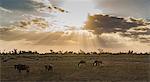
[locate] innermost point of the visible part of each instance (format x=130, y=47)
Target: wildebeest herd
x=109, y=68
x=23, y=67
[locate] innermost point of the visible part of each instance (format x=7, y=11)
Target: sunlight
x=85, y=40
x=76, y=16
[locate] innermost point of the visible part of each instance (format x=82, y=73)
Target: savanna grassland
x=115, y=68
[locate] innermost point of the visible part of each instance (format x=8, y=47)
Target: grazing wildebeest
x=49, y=67
x=21, y=67
x=97, y=63
x=81, y=62
x=5, y=60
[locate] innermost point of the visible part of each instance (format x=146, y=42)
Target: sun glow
x=76, y=15
x=78, y=12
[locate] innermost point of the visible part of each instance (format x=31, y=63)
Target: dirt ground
x=115, y=68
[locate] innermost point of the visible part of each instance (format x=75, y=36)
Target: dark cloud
x=14, y=10
x=140, y=30
x=144, y=38
x=17, y=9
x=135, y=8
x=105, y=23
x=26, y=5
x=20, y=5
x=139, y=33
x=137, y=29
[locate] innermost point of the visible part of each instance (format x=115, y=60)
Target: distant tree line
x=81, y=52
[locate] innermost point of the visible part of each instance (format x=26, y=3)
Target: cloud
x=17, y=9
x=105, y=23
x=116, y=42
x=135, y=8
x=71, y=40
x=33, y=24
x=5, y=10
x=113, y=31
x=36, y=38
x=139, y=33
x=61, y=39
x=112, y=40
x=108, y=32
x=41, y=38
x=46, y=2
x=22, y=5
x=140, y=30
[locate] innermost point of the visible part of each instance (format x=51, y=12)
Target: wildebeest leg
x=78, y=64
x=97, y=64
x=19, y=71
x=48, y=69
x=15, y=66
x=94, y=64
x=27, y=70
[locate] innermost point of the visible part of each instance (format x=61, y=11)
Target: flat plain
x=115, y=68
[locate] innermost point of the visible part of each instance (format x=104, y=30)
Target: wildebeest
x=21, y=67
x=97, y=63
x=5, y=60
x=81, y=62
x=49, y=67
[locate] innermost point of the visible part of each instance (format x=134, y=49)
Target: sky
x=30, y=24
x=134, y=8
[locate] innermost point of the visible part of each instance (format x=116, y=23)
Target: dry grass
x=116, y=68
